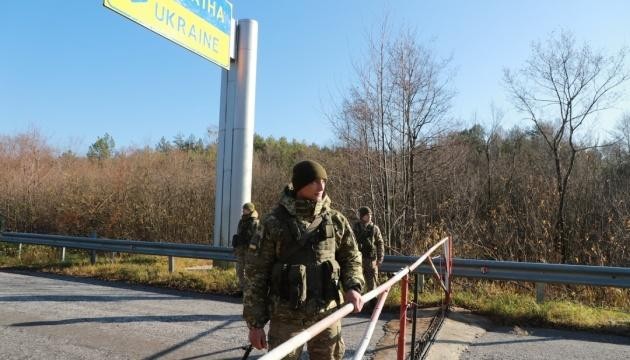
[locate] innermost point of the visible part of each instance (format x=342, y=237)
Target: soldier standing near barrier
x=371, y=245
x=306, y=260
x=247, y=227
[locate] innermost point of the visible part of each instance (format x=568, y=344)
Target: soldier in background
x=370, y=242
x=247, y=228
x=305, y=265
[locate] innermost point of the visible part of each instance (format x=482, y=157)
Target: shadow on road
x=201, y=356
x=129, y=319
x=94, y=298
x=191, y=340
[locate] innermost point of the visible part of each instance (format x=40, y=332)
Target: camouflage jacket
x=247, y=228
x=259, y=301
x=369, y=240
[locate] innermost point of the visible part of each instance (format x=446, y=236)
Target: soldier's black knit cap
x=364, y=210
x=306, y=172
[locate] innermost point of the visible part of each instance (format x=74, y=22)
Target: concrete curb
x=459, y=330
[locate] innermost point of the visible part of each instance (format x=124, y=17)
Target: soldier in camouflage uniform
x=247, y=227
x=306, y=263
x=371, y=245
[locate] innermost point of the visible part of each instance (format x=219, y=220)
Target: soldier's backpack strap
x=311, y=231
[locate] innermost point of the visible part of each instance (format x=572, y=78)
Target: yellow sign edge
x=225, y=66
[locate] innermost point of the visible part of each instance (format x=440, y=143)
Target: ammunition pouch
x=240, y=240
x=368, y=250
x=289, y=283
x=255, y=241
x=235, y=241
x=298, y=284
x=327, y=228
x=366, y=243
x=330, y=280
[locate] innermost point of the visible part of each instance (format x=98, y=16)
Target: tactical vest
x=244, y=235
x=306, y=274
x=365, y=240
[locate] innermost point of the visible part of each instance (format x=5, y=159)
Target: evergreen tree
x=103, y=148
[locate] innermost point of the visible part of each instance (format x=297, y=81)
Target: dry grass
x=142, y=195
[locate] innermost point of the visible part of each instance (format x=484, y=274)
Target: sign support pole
x=236, y=134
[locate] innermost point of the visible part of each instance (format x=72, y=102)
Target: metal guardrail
x=480, y=269
x=525, y=271
x=129, y=246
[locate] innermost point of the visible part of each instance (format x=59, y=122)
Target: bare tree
x=396, y=110
x=560, y=87
x=363, y=123
x=623, y=132
x=422, y=99
x=490, y=139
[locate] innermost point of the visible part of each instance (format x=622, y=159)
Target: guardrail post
x=171, y=264
x=404, y=285
x=448, y=258
x=540, y=292
x=63, y=254
x=93, y=252
x=20, y=251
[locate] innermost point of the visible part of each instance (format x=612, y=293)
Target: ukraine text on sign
x=202, y=26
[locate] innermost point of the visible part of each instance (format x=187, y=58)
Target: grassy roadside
x=504, y=303
x=134, y=269
x=513, y=304
x=510, y=308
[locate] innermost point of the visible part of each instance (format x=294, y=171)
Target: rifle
x=248, y=349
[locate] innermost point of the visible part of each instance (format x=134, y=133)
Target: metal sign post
x=236, y=134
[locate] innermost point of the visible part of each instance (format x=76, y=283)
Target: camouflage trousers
x=240, y=253
x=327, y=345
x=370, y=273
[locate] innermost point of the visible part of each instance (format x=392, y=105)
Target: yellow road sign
x=201, y=26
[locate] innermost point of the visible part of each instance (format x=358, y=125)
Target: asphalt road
x=546, y=344
x=45, y=316
x=466, y=336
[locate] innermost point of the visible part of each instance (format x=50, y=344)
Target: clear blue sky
x=75, y=70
